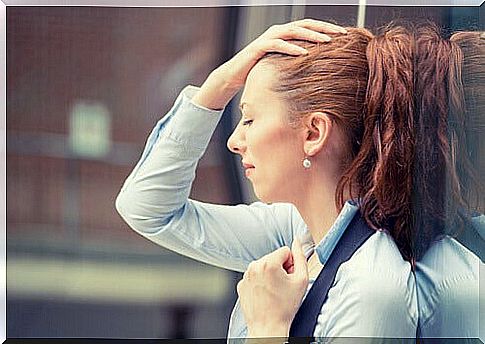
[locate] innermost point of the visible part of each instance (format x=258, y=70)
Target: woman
x=320, y=157
x=448, y=237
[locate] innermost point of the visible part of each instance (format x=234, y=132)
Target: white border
x=220, y=3
x=143, y=3
x=3, y=175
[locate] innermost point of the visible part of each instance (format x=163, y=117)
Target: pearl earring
x=307, y=163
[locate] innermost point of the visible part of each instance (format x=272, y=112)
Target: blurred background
x=85, y=86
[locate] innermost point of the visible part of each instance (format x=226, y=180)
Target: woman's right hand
x=225, y=81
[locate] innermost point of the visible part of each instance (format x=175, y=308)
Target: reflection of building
x=85, y=86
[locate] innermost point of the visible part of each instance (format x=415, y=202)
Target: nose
x=235, y=143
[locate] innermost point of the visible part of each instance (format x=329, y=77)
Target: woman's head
x=307, y=106
x=264, y=139
x=331, y=79
x=371, y=111
x=349, y=103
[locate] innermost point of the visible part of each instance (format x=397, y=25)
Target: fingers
x=233, y=73
x=289, y=265
x=281, y=46
x=309, y=35
x=299, y=259
x=274, y=39
x=321, y=26
x=240, y=287
x=251, y=270
x=291, y=261
x=280, y=256
x=292, y=31
x=271, y=262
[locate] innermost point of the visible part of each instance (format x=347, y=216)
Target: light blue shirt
x=448, y=291
x=374, y=293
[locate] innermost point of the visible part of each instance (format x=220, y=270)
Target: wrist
x=216, y=92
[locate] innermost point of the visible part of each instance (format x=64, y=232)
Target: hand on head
x=225, y=81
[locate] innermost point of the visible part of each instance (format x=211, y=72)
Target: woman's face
x=265, y=140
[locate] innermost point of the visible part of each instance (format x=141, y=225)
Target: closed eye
x=247, y=122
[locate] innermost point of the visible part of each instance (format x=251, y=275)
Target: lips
x=246, y=166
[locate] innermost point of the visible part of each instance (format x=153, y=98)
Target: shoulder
x=379, y=259
x=376, y=289
x=448, y=257
x=383, y=277
x=448, y=289
x=383, y=280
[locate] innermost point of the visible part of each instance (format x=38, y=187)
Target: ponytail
x=392, y=95
x=382, y=169
x=413, y=174
x=443, y=172
x=472, y=45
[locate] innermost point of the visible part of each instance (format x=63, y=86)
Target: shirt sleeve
x=154, y=200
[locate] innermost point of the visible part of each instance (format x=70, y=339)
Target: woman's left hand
x=272, y=289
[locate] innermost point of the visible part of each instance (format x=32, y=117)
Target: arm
x=154, y=198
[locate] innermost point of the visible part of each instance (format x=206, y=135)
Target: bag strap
x=355, y=235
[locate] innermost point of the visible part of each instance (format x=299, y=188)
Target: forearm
x=161, y=181
x=154, y=200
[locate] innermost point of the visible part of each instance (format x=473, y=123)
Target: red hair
x=445, y=179
x=365, y=83
x=392, y=94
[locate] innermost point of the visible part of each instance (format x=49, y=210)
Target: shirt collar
x=326, y=246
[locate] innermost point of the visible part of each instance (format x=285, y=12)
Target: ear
x=317, y=128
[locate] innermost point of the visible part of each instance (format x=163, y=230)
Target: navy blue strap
x=305, y=320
